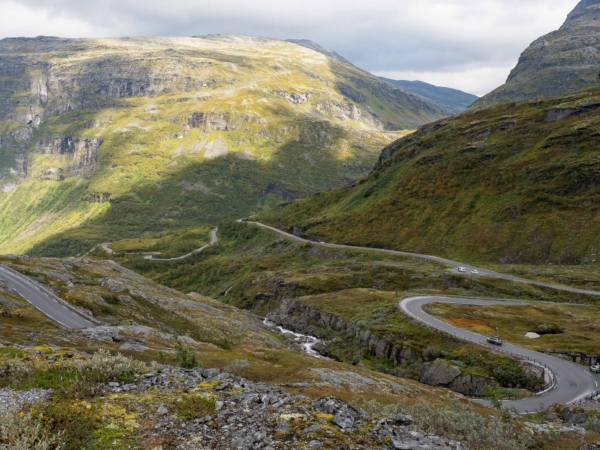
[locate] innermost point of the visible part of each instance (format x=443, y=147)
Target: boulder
x=436, y=373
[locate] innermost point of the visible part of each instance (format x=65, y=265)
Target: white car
x=475, y=271
x=495, y=340
x=462, y=269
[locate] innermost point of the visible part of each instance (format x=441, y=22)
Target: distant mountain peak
x=457, y=100
x=586, y=10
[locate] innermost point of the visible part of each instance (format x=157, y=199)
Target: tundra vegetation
x=512, y=184
x=257, y=270
x=105, y=139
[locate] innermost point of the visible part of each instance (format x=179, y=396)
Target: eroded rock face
x=297, y=98
x=80, y=155
x=442, y=374
x=436, y=374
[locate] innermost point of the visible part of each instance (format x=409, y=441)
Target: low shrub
x=195, y=407
x=238, y=367
x=460, y=423
x=103, y=366
x=27, y=431
x=74, y=422
x=187, y=359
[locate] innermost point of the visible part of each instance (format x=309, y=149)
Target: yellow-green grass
x=581, y=323
x=168, y=244
x=160, y=174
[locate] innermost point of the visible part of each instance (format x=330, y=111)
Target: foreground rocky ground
x=245, y=415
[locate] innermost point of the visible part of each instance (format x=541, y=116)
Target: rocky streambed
x=307, y=342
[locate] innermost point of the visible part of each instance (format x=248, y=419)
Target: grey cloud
x=379, y=35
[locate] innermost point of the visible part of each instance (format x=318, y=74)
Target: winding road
x=42, y=299
x=571, y=381
x=54, y=307
x=469, y=268
x=213, y=240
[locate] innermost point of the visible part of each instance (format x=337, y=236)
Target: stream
x=307, y=342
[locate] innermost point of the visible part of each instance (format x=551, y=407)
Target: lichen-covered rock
x=256, y=415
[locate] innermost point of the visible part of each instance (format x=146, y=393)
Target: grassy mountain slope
x=559, y=63
x=109, y=138
x=507, y=184
x=451, y=98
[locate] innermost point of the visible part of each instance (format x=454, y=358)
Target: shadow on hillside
x=202, y=192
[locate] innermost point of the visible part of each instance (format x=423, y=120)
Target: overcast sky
x=465, y=44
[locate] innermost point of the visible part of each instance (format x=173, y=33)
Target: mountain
x=102, y=139
x=452, y=98
x=559, y=63
x=516, y=183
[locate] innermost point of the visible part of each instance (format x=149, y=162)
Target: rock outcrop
x=440, y=373
x=256, y=415
x=301, y=318
x=559, y=63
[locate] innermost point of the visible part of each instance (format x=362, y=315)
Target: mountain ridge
x=562, y=62
x=450, y=97
x=515, y=183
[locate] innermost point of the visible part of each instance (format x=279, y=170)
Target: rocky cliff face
x=302, y=318
x=133, y=118
x=559, y=63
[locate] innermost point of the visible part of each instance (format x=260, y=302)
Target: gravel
x=14, y=400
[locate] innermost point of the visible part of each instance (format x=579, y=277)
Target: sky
x=466, y=44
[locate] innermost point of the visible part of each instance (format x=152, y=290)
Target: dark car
x=495, y=340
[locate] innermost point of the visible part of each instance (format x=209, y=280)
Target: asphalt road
x=34, y=294
x=572, y=381
x=469, y=268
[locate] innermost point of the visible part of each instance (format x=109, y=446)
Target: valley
x=225, y=241
x=102, y=139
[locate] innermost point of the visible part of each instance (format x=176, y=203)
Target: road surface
x=469, y=268
x=43, y=301
x=213, y=240
x=572, y=381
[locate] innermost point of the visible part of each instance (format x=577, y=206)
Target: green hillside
x=102, y=139
x=513, y=183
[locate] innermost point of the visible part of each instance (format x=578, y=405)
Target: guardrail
x=587, y=398
x=493, y=348
x=44, y=290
